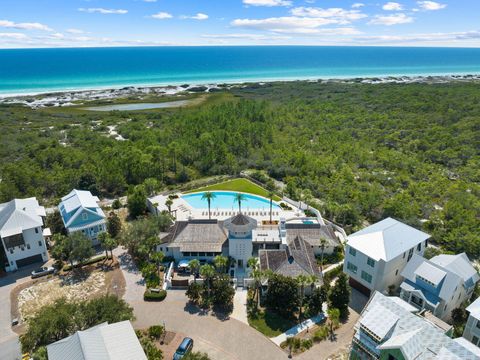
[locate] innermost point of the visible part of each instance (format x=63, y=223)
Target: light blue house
x=80, y=212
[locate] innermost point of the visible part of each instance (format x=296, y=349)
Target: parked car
x=184, y=348
x=44, y=270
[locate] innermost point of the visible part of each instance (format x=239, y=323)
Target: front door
x=240, y=263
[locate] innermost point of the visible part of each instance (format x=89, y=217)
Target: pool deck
x=183, y=211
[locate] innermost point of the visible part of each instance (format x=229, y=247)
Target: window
x=39, y=243
x=352, y=251
x=161, y=249
x=11, y=251
x=478, y=324
x=201, y=254
x=28, y=246
x=371, y=262
x=391, y=357
x=352, y=268
x=36, y=230
x=396, y=272
x=426, y=243
x=404, y=255
x=410, y=254
x=475, y=340
x=84, y=216
x=419, y=247
x=23, y=249
x=366, y=276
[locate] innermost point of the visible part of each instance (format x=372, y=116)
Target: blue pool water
x=226, y=200
x=37, y=70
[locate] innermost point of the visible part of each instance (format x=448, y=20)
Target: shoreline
x=67, y=97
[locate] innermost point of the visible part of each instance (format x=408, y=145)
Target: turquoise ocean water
x=39, y=70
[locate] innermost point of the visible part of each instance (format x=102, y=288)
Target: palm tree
x=302, y=280
x=252, y=263
x=293, y=344
x=207, y=272
x=169, y=204
x=239, y=197
x=323, y=242
x=108, y=243
x=209, y=196
x=194, y=265
x=333, y=320
x=271, y=195
x=158, y=257
x=220, y=263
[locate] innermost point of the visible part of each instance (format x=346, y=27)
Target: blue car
x=184, y=348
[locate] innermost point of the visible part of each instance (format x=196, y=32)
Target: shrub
x=194, y=292
x=306, y=344
x=154, y=296
x=155, y=331
x=321, y=334
x=91, y=261
x=116, y=204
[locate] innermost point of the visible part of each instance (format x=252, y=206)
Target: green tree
x=220, y=263
x=114, y=224
x=55, y=223
x=81, y=247
x=323, y=243
x=302, y=281
x=282, y=295
x=157, y=257
x=194, y=292
x=194, y=266
x=239, y=197
x=207, y=272
x=339, y=295
x=108, y=243
x=137, y=201
x=222, y=292
x=333, y=321
x=151, y=185
x=169, y=204
x=316, y=300
x=209, y=196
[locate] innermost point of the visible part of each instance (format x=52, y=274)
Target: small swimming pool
x=226, y=200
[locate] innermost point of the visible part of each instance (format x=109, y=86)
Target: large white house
x=440, y=284
x=472, y=328
x=22, y=233
x=80, y=212
x=375, y=256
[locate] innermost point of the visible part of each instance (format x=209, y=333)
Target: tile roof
x=116, y=341
x=386, y=239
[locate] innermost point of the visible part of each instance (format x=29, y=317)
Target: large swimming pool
x=226, y=200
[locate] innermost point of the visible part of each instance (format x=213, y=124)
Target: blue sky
x=61, y=23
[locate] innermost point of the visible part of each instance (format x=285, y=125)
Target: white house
x=472, y=328
x=22, y=233
x=105, y=341
x=440, y=284
x=80, y=212
x=375, y=256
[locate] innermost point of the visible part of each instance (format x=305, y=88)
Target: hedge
x=154, y=296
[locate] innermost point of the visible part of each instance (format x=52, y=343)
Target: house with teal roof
x=80, y=212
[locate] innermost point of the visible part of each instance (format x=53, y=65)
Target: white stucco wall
x=32, y=240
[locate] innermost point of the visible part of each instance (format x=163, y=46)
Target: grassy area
x=241, y=185
x=270, y=324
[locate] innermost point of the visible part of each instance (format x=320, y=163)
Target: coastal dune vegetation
x=361, y=151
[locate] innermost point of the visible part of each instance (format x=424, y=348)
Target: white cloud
x=340, y=16
x=390, y=20
x=259, y=37
x=198, y=16
x=267, y=2
x=431, y=5
x=431, y=37
x=15, y=36
x=358, y=5
x=162, y=15
x=75, y=31
x=103, y=11
x=150, y=1
x=392, y=6
x=24, y=26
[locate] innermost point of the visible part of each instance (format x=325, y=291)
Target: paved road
x=9, y=344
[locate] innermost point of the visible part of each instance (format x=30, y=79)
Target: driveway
x=222, y=339
x=9, y=344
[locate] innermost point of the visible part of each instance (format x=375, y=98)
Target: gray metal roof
x=416, y=337
x=458, y=264
x=20, y=214
x=103, y=342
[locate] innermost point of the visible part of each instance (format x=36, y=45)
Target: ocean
x=41, y=70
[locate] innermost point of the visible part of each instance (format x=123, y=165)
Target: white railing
x=167, y=277
x=303, y=206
